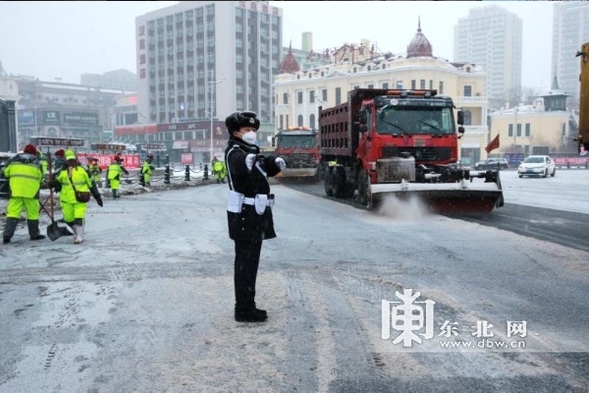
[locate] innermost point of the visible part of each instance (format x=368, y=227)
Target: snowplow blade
x=445, y=198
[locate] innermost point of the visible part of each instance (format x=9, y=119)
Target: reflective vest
x=146, y=168
x=114, y=171
x=43, y=161
x=94, y=169
x=80, y=179
x=24, y=177
x=218, y=166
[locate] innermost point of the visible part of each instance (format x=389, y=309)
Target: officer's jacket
x=25, y=175
x=249, y=225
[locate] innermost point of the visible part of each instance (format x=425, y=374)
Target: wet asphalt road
x=145, y=303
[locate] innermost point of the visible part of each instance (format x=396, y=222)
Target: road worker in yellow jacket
x=75, y=178
x=219, y=170
x=147, y=170
x=95, y=171
x=113, y=175
x=25, y=175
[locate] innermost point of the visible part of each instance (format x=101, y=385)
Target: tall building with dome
x=300, y=93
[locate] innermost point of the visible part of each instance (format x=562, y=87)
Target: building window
x=299, y=97
x=467, y=118
x=510, y=130
x=441, y=87
x=324, y=95
x=312, y=96
x=528, y=130
x=338, y=95
x=312, y=121
x=399, y=84
x=467, y=91
x=285, y=98
x=413, y=84
x=300, y=120
x=519, y=130
x=385, y=85
x=422, y=84
x=431, y=84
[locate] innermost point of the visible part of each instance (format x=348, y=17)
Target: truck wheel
x=327, y=182
x=363, y=189
x=338, y=182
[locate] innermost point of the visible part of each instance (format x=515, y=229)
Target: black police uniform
x=248, y=228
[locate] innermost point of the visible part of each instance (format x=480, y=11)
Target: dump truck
x=401, y=142
x=583, y=138
x=299, y=147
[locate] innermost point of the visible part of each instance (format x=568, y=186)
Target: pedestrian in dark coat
x=249, y=208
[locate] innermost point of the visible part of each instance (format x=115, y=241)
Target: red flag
x=494, y=144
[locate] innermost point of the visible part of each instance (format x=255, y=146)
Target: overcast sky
x=50, y=40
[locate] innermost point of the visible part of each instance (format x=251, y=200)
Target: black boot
x=9, y=229
x=252, y=315
x=34, y=230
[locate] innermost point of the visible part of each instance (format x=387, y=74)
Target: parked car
x=537, y=166
x=492, y=163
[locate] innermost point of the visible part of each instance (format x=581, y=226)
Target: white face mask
x=249, y=137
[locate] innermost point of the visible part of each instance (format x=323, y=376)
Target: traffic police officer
x=249, y=208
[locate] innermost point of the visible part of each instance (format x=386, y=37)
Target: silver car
x=537, y=166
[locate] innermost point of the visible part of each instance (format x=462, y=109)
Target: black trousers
x=247, y=259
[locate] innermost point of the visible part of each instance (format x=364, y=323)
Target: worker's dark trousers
x=247, y=258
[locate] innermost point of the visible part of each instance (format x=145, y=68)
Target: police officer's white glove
x=281, y=163
x=249, y=161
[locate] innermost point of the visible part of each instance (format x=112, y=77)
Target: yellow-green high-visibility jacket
x=218, y=166
x=25, y=175
x=147, y=168
x=114, y=171
x=43, y=161
x=80, y=179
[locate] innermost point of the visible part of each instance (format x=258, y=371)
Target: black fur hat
x=237, y=120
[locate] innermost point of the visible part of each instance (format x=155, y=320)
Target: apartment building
x=570, y=29
x=203, y=59
x=491, y=38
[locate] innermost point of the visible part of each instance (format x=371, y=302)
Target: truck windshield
x=290, y=141
x=399, y=120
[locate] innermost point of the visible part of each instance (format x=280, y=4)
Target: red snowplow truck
x=299, y=146
x=401, y=142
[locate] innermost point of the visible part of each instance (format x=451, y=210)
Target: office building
x=491, y=38
x=570, y=29
x=118, y=79
x=199, y=59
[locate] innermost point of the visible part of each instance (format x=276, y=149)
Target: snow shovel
x=64, y=230
x=54, y=231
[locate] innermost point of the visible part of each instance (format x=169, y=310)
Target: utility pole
x=212, y=89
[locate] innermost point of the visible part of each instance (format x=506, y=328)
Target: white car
x=537, y=166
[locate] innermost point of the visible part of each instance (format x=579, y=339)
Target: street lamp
x=211, y=113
